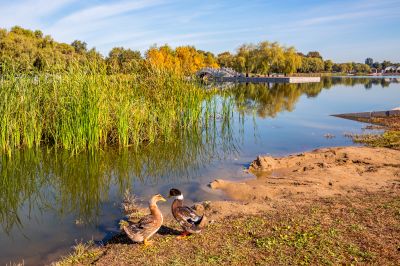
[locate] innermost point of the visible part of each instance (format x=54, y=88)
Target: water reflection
x=53, y=180
x=34, y=182
x=368, y=82
x=267, y=100
x=56, y=181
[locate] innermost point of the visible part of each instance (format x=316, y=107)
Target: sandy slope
x=307, y=176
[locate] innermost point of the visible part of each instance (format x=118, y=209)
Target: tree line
x=380, y=66
x=267, y=58
x=23, y=51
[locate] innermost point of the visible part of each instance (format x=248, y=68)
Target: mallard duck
x=190, y=221
x=147, y=225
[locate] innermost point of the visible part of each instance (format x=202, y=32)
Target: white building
x=392, y=69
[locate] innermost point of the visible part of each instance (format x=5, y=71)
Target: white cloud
x=345, y=17
x=28, y=13
x=99, y=12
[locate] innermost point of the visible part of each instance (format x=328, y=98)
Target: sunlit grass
x=84, y=110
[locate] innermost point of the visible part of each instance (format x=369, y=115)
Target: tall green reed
x=86, y=109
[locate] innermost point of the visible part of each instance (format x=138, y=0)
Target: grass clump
x=82, y=252
x=389, y=139
x=82, y=109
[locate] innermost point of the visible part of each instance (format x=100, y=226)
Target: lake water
x=49, y=200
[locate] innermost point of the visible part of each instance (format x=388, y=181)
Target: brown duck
x=148, y=225
x=189, y=220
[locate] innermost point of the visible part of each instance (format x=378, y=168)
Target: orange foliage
x=184, y=59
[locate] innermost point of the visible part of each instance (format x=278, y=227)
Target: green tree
x=328, y=65
x=226, y=59
x=121, y=60
x=80, y=47
x=386, y=64
x=377, y=65
x=314, y=54
x=269, y=58
x=312, y=65
x=292, y=61
x=369, y=61
x=246, y=58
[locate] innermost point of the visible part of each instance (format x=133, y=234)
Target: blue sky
x=340, y=30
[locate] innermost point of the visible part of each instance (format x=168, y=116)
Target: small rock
x=329, y=136
x=215, y=184
x=307, y=168
x=263, y=163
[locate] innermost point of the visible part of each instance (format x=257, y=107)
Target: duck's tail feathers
x=133, y=232
x=199, y=225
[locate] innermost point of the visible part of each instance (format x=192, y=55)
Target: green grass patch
x=389, y=139
x=86, y=110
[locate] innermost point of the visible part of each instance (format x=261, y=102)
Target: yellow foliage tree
x=184, y=59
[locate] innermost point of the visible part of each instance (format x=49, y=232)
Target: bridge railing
x=218, y=72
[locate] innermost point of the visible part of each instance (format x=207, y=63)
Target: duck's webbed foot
x=183, y=235
x=147, y=242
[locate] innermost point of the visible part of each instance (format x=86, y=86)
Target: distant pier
x=368, y=115
x=269, y=79
x=230, y=75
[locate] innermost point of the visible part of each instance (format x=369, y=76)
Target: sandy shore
x=307, y=176
x=285, y=194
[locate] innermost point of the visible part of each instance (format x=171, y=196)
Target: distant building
x=391, y=69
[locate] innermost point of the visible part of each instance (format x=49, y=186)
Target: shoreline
x=281, y=185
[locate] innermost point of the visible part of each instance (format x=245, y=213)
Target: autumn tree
x=184, y=59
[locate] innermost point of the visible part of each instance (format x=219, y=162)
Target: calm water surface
x=49, y=200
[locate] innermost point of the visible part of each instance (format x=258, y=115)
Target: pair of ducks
x=147, y=226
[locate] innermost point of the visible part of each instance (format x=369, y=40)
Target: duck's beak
x=162, y=199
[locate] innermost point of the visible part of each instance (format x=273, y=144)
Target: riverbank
x=328, y=206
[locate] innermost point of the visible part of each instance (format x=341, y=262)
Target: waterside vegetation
x=71, y=97
x=27, y=51
x=390, y=138
x=79, y=109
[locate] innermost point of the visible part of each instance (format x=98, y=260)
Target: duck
x=190, y=221
x=147, y=225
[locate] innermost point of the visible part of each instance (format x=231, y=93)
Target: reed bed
x=87, y=110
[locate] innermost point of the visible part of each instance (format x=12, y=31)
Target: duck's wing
x=187, y=216
x=146, y=222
